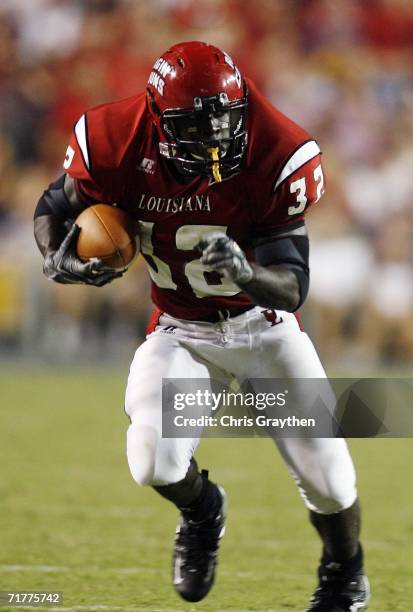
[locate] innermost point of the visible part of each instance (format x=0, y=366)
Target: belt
x=225, y=313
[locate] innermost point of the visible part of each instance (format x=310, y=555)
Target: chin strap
x=214, y=151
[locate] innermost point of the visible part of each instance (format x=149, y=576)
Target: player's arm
x=55, y=212
x=54, y=228
x=279, y=278
x=281, y=274
x=56, y=235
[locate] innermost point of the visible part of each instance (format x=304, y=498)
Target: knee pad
x=325, y=475
x=154, y=460
x=142, y=442
x=331, y=504
x=335, y=493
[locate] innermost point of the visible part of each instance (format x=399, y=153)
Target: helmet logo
x=161, y=69
x=230, y=62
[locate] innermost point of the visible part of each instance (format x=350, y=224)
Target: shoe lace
x=199, y=542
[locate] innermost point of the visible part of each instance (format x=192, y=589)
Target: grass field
x=73, y=520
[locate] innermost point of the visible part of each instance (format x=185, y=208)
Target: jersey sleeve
x=293, y=190
x=82, y=163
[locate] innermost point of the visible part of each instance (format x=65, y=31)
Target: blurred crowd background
x=341, y=68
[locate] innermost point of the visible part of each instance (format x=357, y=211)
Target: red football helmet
x=197, y=99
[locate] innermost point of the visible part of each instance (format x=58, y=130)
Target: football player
x=220, y=181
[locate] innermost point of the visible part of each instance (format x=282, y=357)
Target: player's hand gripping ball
x=64, y=266
x=109, y=234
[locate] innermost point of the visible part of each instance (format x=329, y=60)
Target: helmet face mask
x=203, y=135
x=192, y=134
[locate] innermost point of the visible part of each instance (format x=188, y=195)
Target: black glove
x=64, y=266
x=221, y=253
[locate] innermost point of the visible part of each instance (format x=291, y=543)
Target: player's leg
x=167, y=463
x=325, y=475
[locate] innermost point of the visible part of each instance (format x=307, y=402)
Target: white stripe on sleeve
x=80, y=131
x=302, y=155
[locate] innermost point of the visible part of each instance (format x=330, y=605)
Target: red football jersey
x=113, y=155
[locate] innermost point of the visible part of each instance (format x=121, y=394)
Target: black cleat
x=196, y=551
x=339, y=591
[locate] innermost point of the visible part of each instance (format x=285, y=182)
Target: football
x=108, y=233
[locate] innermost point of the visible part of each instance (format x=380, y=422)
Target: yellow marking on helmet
x=215, y=166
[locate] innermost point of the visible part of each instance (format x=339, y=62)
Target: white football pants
x=246, y=346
